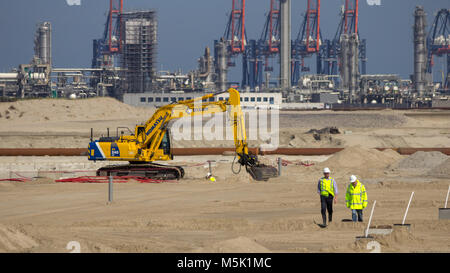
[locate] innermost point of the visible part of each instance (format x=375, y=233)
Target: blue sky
x=186, y=27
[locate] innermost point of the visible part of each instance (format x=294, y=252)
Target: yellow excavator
x=151, y=142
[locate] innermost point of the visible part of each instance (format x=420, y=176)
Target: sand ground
x=233, y=214
x=229, y=215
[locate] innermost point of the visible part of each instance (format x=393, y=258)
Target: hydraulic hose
x=232, y=166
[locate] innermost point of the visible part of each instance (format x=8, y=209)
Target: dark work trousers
x=357, y=214
x=326, y=203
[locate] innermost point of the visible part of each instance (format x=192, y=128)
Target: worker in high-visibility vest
x=327, y=188
x=356, y=198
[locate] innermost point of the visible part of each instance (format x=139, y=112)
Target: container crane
x=109, y=45
x=438, y=43
x=258, y=52
x=235, y=31
x=308, y=41
x=270, y=37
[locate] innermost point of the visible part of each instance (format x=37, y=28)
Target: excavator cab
x=165, y=144
x=139, y=129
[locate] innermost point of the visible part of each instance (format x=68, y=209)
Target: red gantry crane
x=438, y=44
x=232, y=43
x=308, y=41
x=235, y=31
x=259, y=52
x=111, y=42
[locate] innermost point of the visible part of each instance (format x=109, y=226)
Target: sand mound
x=12, y=240
x=421, y=161
x=42, y=110
x=237, y=245
x=442, y=169
x=397, y=241
x=362, y=158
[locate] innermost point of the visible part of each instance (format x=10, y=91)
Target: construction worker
x=356, y=198
x=327, y=188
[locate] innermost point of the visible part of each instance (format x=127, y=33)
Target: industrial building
x=138, y=53
x=248, y=100
x=124, y=60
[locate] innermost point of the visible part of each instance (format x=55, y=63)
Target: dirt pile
x=442, y=169
x=326, y=130
x=421, y=161
x=42, y=110
x=362, y=159
x=400, y=240
x=13, y=240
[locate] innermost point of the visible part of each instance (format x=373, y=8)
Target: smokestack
x=285, y=47
x=420, y=50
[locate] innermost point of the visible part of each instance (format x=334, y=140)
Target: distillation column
x=43, y=43
x=220, y=49
x=420, y=51
x=353, y=70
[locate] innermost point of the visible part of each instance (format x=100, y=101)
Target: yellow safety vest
x=326, y=186
x=356, y=197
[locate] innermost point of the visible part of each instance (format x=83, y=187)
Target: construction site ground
x=234, y=213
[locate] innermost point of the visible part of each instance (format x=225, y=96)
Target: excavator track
x=149, y=170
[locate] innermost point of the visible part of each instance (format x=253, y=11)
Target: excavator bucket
x=262, y=172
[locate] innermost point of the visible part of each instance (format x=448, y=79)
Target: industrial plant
x=124, y=62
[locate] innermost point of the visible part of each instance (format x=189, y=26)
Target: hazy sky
x=185, y=27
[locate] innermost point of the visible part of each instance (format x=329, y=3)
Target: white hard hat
x=352, y=178
x=326, y=170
